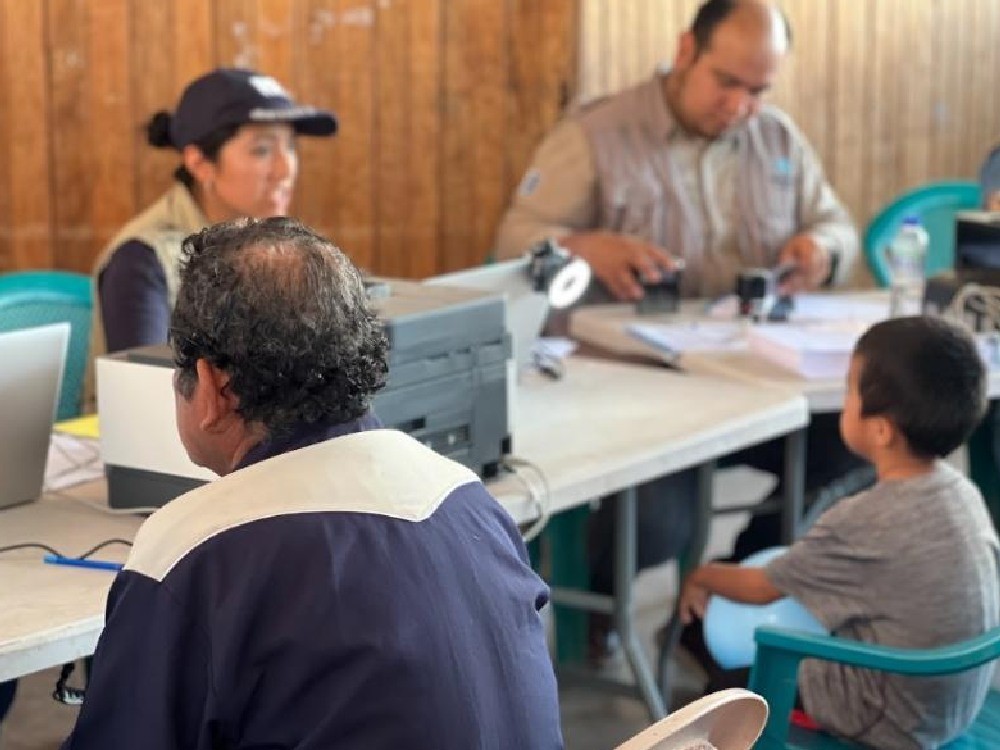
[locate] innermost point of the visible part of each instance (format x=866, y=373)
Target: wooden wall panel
x=73, y=238
x=25, y=199
x=475, y=105
x=442, y=102
x=110, y=158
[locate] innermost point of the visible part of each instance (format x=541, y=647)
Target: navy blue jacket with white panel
x=344, y=588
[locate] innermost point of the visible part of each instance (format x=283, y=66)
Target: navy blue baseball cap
x=235, y=96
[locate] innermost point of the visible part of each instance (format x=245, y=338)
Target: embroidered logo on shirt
x=529, y=184
x=782, y=171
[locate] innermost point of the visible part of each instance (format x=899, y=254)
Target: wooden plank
x=560, y=23
x=542, y=61
x=884, y=105
x=355, y=188
x=914, y=80
x=112, y=175
x=194, y=42
x=475, y=77
x=424, y=233
x=7, y=220
x=950, y=104
x=392, y=152
x=25, y=216
x=591, y=64
x=984, y=40
x=991, y=79
x=67, y=22
x=851, y=50
x=236, y=33
x=526, y=89
x=317, y=83
x=154, y=89
x=275, y=39
x=809, y=87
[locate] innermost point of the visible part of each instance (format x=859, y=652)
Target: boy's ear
x=883, y=432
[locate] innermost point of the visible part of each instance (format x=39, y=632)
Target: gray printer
x=447, y=386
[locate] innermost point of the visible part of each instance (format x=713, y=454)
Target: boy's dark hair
x=714, y=12
x=926, y=375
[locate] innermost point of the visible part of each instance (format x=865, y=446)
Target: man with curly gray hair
x=340, y=585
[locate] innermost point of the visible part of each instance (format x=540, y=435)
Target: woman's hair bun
x=158, y=130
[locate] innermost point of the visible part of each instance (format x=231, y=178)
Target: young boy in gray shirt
x=912, y=562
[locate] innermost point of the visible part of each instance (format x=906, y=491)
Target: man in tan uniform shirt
x=688, y=164
x=692, y=165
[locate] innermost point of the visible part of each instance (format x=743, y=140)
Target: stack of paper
x=693, y=336
x=817, y=351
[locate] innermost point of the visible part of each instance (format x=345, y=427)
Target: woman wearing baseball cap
x=235, y=130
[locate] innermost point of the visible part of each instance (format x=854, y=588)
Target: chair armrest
x=774, y=675
x=945, y=660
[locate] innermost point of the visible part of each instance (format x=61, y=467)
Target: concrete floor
x=591, y=720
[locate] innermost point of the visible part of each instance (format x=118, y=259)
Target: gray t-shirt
x=910, y=563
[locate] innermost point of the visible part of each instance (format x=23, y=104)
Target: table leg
x=669, y=636
x=795, y=485
x=625, y=564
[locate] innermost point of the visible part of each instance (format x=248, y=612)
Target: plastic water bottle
x=907, y=255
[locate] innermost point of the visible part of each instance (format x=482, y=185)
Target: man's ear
x=687, y=51
x=217, y=404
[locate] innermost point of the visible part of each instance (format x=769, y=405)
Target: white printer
x=447, y=387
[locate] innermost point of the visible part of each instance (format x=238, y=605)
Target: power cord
x=53, y=551
x=537, y=485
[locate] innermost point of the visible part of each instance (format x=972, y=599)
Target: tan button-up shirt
x=564, y=190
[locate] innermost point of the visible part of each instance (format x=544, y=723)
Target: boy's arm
x=746, y=585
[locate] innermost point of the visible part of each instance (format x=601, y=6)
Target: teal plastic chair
x=935, y=205
x=35, y=298
x=779, y=652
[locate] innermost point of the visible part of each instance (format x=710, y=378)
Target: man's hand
x=811, y=263
x=620, y=261
x=693, y=599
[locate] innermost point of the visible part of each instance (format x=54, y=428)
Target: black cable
x=52, y=551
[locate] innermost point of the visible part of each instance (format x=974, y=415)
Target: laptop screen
x=30, y=379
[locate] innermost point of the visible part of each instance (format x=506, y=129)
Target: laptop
x=30, y=378
x=526, y=308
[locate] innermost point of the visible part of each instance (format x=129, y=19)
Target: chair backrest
x=34, y=298
x=727, y=720
x=935, y=205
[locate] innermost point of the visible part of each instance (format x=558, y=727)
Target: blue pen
x=77, y=562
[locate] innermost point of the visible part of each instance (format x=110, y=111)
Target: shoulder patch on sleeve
x=529, y=183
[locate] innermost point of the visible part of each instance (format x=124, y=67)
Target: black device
x=663, y=296
x=977, y=261
x=977, y=242
x=756, y=291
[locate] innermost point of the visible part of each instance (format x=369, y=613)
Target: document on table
x=813, y=308
x=72, y=460
x=833, y=308
x=693, y=336
x=815, y=351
